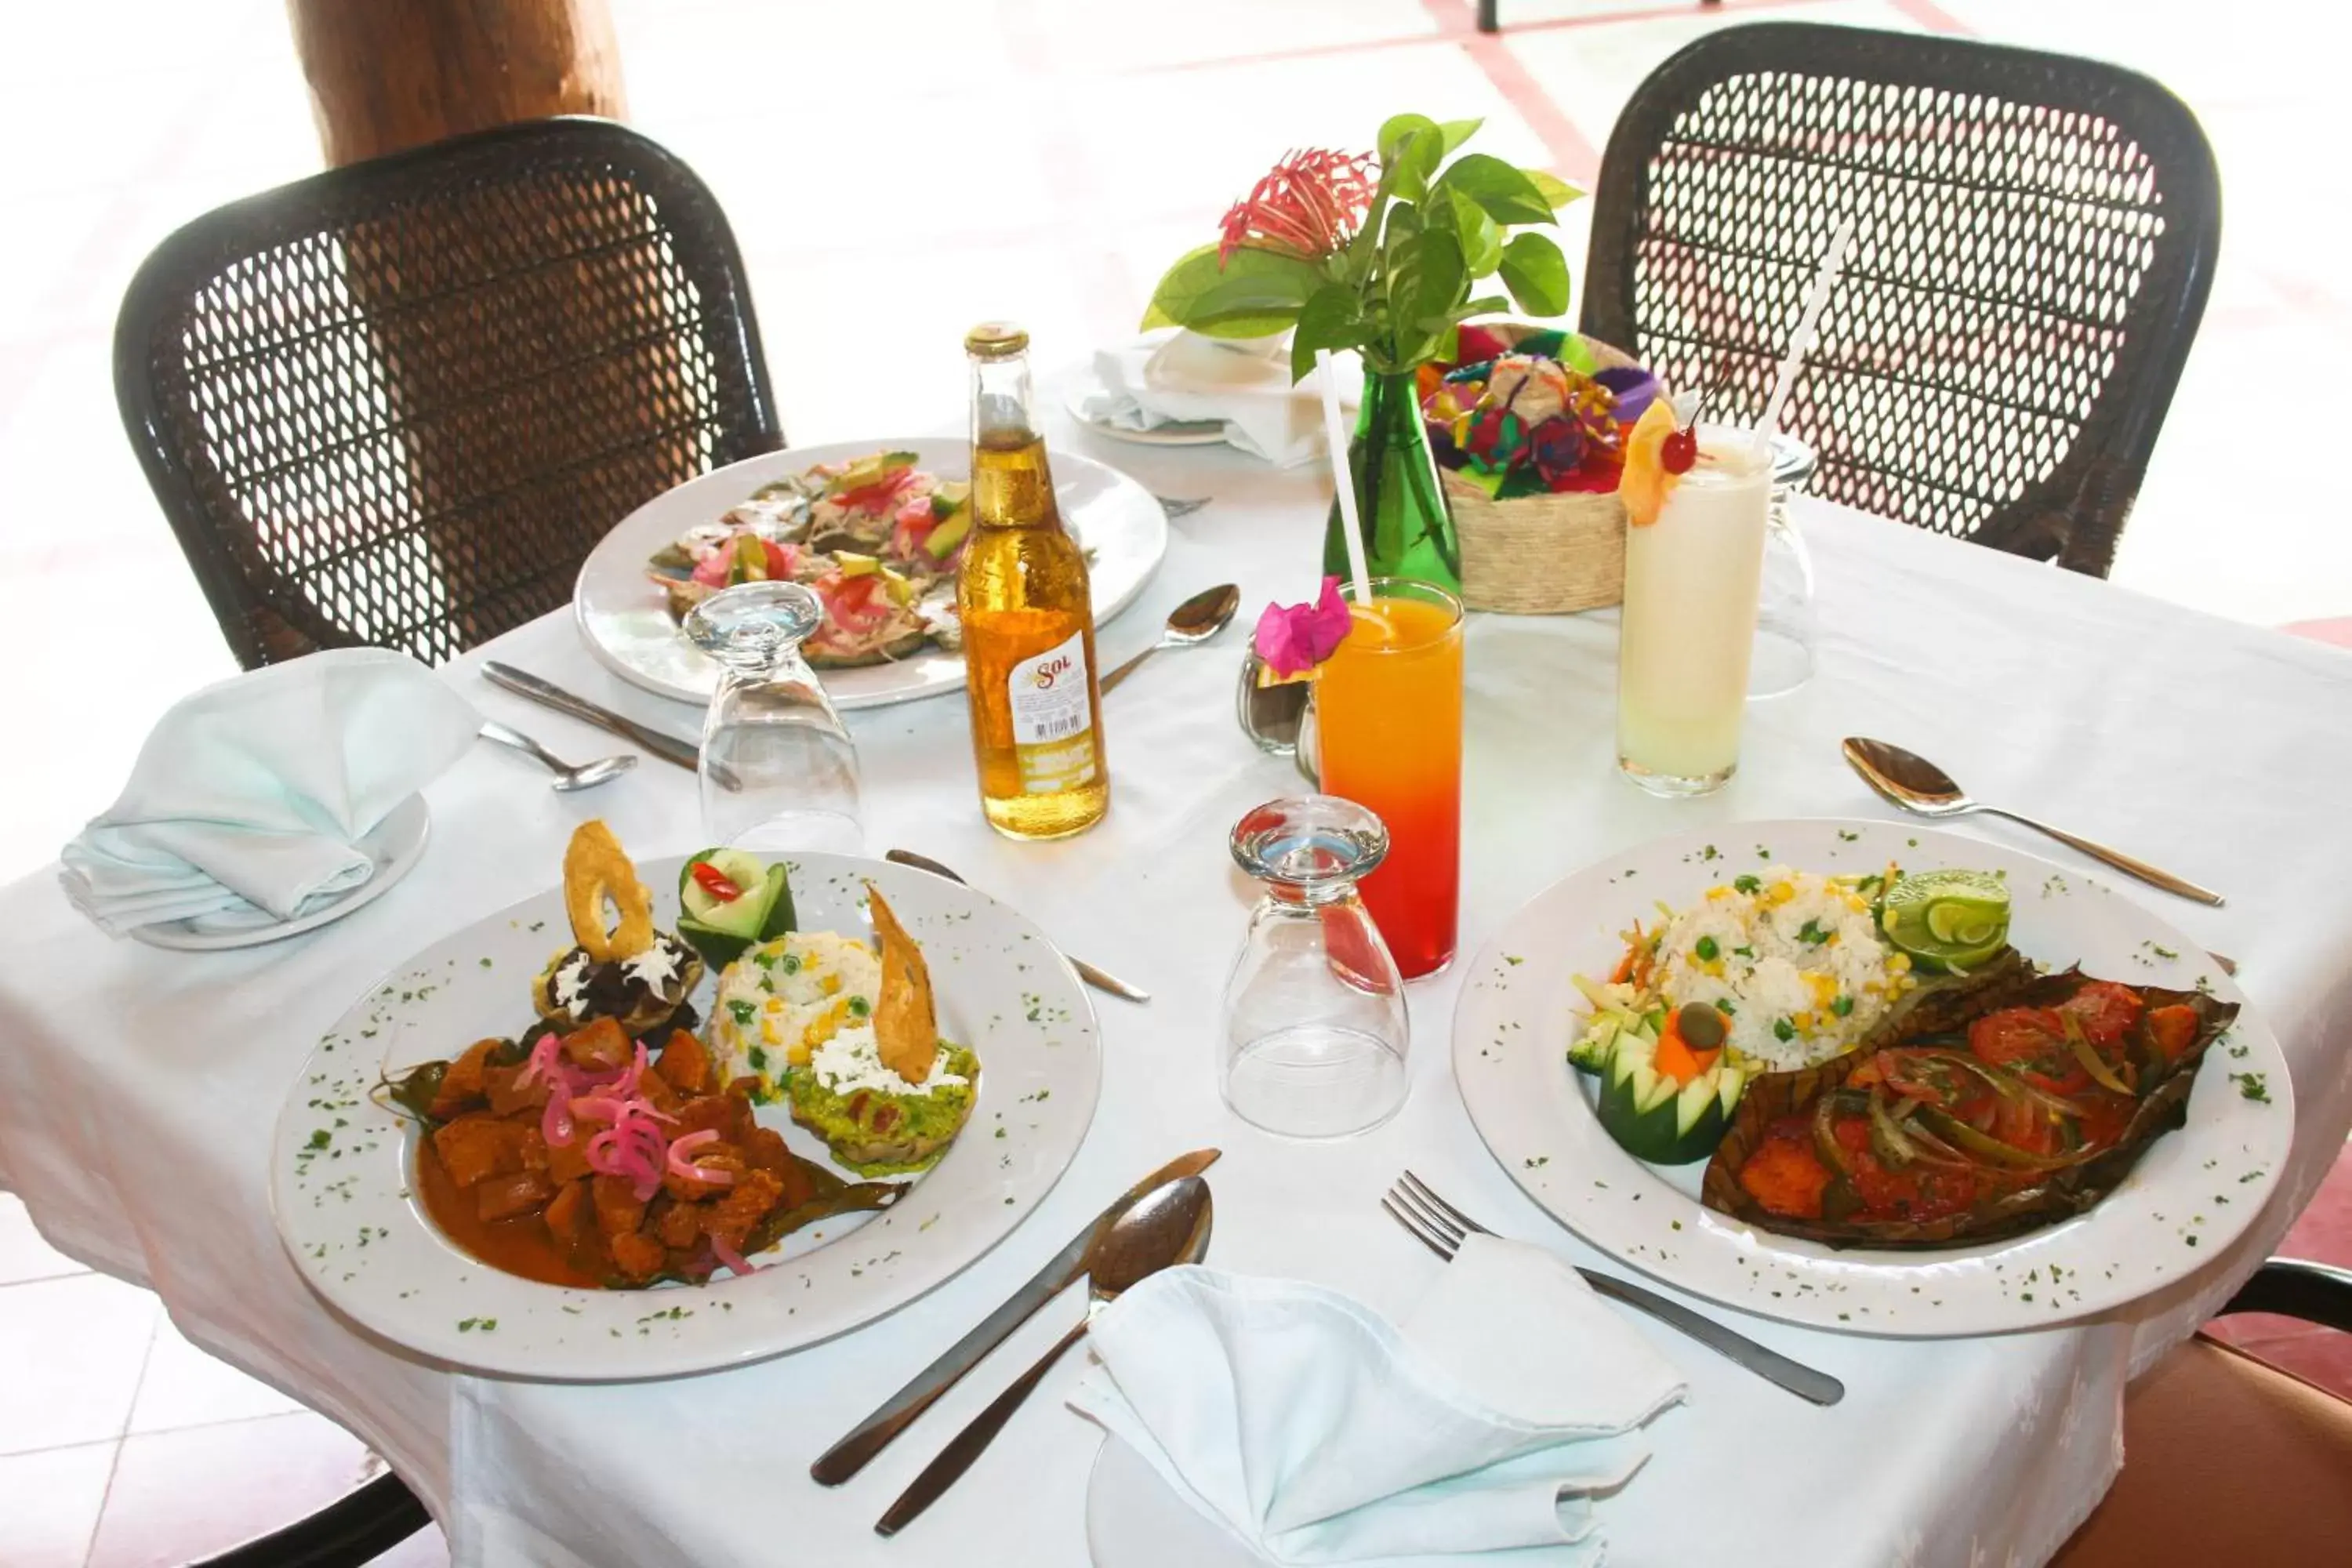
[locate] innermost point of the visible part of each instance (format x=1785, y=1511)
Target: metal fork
x=1440, y=1226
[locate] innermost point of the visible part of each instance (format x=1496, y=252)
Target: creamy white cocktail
x=1689, y=619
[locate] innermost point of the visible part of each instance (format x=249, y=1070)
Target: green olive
x=1701, y=1026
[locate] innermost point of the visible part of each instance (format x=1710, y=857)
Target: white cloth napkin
x=249, y=798
x=1172, y=376
x=1316, y=1432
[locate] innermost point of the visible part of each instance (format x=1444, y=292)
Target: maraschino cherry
x=1679, y=451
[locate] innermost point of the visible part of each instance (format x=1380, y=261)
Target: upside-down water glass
x=1315, y=1026
x=779, y=771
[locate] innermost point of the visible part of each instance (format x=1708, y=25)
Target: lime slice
x=1946, y=920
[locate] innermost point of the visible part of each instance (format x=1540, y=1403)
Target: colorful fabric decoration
x=1536, y=414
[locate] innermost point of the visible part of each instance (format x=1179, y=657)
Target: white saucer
x=1177, y=433
x=1133, y=1521
x=394, y=845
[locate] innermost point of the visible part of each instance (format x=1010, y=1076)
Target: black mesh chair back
x=2036, y=238
x=398, y=402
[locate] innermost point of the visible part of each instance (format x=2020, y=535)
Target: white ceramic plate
x=625, y=619
x=340, y=1163
x=2189, y=1196
x=392, y=846
x=1177, y=433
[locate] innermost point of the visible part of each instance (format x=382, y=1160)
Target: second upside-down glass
x=779, y=771
x=1315, y=1026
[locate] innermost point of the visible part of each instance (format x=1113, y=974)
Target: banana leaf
x=2163, y=1087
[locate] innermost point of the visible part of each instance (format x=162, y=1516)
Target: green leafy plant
x=1388, y=265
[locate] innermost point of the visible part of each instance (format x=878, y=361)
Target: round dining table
x=138, y=1086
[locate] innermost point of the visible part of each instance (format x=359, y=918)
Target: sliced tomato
x=2031, y=1042
x=2173, y=1029
x=2104, y=1009
x=782, y=560
x=876, y=497
x=716, y=882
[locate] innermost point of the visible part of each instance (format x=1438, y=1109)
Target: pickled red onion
x=680, y=1162
x=730, y=1257
x=543, y=1060
x=555, y=1124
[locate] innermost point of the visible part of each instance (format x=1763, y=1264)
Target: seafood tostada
x=873, y=538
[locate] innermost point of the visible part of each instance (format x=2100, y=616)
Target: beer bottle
x=1028, y=620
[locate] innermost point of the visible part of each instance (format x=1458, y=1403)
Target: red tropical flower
x=1309, y=205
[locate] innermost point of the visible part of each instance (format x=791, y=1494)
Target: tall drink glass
x=1388, y=726
x=1689, y=620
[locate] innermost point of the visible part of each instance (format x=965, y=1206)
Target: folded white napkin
x=248, y=799
x=1172, y=376
x=1316, y=1432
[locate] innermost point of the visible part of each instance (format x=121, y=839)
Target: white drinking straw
x=1801, y=340
x=1335, y=431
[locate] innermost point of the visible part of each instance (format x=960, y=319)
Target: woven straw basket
x=1541, y=555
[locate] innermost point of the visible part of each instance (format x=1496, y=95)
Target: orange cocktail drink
x=1387, y=722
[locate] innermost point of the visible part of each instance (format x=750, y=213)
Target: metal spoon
x=1166, y=1227
x=1196, y=620
x=1919, y=786
x=587, y=775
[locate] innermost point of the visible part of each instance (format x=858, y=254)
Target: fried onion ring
x=595, y=870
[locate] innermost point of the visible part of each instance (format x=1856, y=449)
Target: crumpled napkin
x=1173, y=376
x=1318, y=1433
x=247, y=802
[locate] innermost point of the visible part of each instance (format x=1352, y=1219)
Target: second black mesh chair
x=2036, y=239
x=398, y=402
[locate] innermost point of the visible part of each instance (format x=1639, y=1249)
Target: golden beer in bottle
x=1028, y=619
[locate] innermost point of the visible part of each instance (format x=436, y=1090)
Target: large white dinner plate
x=625, y=620
x=340, y=1161
x=2189, y=1196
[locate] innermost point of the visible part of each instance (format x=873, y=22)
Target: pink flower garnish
x=1293, y=639
x=1309, y=205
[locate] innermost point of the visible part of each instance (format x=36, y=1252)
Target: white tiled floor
x=894, y=171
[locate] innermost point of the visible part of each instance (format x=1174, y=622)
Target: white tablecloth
x=138, y=1088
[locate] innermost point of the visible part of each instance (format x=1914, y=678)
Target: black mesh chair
x=398, y=402
x=2036, y=238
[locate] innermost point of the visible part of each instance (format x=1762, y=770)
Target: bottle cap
x=996, y=339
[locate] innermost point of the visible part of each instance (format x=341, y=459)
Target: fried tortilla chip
x=906, y=1025
x=596, y=870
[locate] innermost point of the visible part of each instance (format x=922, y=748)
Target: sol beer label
x=1053, y=722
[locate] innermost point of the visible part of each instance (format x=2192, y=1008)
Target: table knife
x=522, y=683
x=1100, y=979
x=873, y=1434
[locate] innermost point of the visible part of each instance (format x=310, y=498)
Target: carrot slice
x=1675, y=1057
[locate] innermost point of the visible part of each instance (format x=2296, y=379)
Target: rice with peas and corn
x=1791, y=957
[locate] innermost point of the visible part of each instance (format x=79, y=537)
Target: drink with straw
x=1692, y=570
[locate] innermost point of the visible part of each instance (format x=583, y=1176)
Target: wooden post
x=390, y=74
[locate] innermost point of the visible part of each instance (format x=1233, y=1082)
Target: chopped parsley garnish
x=319, y=1139
x=1706, y=950
x=766, y=960
x=1744, y=883
x=1745, y=951
x=758, y=1058
x=742, y=1012
x=1842, y=1007
x=2252, y=1085
x=1724, y=1006
x=1782, y=1029
x=1812, y=931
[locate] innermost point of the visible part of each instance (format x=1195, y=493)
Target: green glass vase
x=1408, y=529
